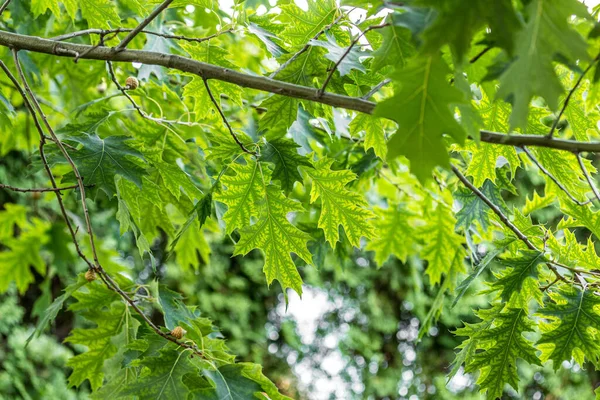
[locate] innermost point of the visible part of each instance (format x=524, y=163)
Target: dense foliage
x=416, y=164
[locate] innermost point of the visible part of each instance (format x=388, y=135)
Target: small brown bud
x=90, y=275
x=178, y=332
x=132, y=83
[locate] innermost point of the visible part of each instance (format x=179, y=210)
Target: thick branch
x=208, y=71
x=184, y=64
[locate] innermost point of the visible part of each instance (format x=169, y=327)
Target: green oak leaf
x=440, y=241
x=500, y=344
x=572, y=327
x=283, y=154
x=422, y=107
x=90, y=364
x=100, y=160
x=374, y=133
x=243, y=191
x=339, y=205
x=457, y=22
x=518, y=281
x=277, y=238
x=395, y=234
x=546, y=33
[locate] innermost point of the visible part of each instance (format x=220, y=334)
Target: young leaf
x=395, y=234
x=277, y=238
x=339, y=205
x=244, y=189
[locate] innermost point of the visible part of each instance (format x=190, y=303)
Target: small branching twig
x=345, y=54
x=376, y=89
x=588, y=177
x=121, y=46
x=231, y=132
x=569, y=95
x=104, y=32
x=553, y=178
x=520, y=235
x=307, y=45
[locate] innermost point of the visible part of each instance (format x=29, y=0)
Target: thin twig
x=307, y=45
x=105, y=32
x=231, y=132
x=4, y=6
x=520, y=235
x=553, y=178
x=135, y=105
x=121, y=46
x=587, y=176
x=36, y=190
x=569, y=95
x=479, y=55
x=346, y=52
x=376, y=88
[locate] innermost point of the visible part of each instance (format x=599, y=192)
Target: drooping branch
x=40, y=130
x=33, y=107
x=507, y=222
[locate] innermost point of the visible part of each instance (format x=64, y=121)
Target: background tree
x=409, y=166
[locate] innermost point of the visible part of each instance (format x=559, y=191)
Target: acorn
x=90, y=275
x=178, y=332
x=131, y=83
